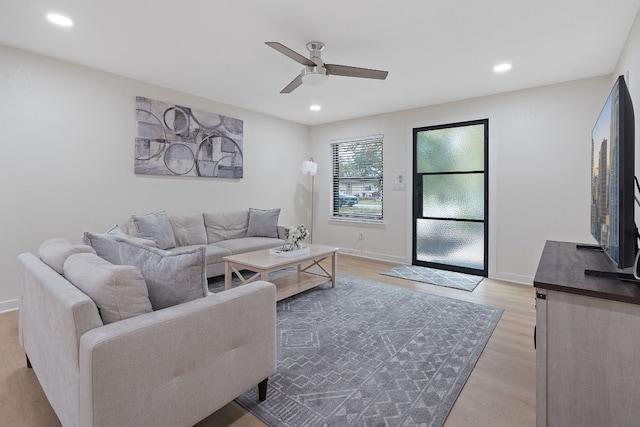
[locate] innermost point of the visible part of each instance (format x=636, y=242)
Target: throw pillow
x=263, y=223
x=54, y=252
x=188, y=229
x=119, y=291
x=105, y=244
x=172, y=277
x=155, y=226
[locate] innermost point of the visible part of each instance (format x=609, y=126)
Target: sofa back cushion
x=225, y=226
x=54, y=252
x=172, y=277
x=188, y=229
x=157, y=227
x=119, y=291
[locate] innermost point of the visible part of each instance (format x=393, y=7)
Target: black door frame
x=417, y=199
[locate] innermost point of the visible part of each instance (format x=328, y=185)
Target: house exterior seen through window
x=357, y=178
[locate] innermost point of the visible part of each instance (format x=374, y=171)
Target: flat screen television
x=612, y=177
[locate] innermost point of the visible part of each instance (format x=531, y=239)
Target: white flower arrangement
x=294, y=236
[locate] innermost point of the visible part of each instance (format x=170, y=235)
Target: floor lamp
x=309, y=167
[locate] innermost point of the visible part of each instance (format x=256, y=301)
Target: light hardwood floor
x=499, y=392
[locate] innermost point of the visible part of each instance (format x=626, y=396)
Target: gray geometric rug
x=449, y=279
x=370, y=354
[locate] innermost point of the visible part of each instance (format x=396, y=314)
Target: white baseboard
x=515, y=278
x=9, y=305
x=372, y=255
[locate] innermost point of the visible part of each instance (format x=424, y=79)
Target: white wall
x=67, y=159
x=629, y=66
x=540, y=151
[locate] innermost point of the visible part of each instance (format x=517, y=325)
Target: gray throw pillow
x=105, y=244
x=155, y=226
x=172, y=277
x=119, y=291
x=263, y=223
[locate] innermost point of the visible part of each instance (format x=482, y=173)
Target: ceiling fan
x=316, y=72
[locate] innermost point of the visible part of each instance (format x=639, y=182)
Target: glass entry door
x=450, y=202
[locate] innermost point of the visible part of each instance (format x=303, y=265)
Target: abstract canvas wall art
x=177, y=140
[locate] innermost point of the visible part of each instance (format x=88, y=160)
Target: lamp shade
x=309, y=167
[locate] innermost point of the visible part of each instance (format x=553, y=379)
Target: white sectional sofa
x=142, y=344
x=221, y=234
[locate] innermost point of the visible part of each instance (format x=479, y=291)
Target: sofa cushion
x=263, y=223
x=213, y=253
x=224, y=226
x=172, y=277
x=248, y=244
x=188, y=229
x=54, y=252
x=157, y=227
x=119, y=291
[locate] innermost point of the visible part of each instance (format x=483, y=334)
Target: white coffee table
x=261, y=263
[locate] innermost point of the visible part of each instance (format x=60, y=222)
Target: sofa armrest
x=178, y=365
x=281, y=233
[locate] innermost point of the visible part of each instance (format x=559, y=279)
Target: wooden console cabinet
x=588, y=341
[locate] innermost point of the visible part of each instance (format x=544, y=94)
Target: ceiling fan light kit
x=316, y=72
x=314, y=76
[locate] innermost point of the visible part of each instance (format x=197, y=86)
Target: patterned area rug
x=449, y=279
x=370, y=354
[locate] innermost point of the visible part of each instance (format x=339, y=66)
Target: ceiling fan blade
x=344, y=70
x=294, y=84
x=291, y=54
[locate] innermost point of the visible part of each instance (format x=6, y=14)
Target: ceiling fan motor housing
x=315, y=76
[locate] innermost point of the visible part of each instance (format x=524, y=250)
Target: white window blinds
x=357, y=178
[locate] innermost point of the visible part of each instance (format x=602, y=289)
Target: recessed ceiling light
x=61, y=20
x=501, y=68
x=315, y=107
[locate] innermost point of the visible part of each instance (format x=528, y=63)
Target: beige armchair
x=171, y=367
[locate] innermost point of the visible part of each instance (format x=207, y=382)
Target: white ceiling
x=435, y=51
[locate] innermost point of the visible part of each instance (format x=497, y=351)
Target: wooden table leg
x=227, y=275
x=334, y=268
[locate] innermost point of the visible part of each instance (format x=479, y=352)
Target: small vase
x=290, y=245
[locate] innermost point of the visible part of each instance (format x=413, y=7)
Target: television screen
x=612, y=177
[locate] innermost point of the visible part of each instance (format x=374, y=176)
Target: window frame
x=377, y=181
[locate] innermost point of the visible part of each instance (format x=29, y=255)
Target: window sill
x=370, y=223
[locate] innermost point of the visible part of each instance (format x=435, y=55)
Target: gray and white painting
x=177, y=140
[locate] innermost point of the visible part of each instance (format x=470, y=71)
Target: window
x=357, y=178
